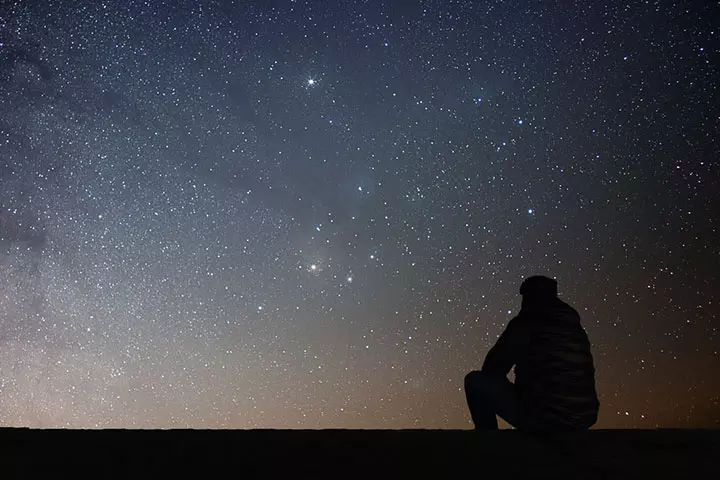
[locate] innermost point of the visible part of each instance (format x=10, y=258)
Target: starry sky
x=317, y=214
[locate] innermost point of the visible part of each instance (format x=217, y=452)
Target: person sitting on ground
x=554, y=385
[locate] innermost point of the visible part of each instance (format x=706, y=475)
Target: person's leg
x=481, y=406
x=488, y=396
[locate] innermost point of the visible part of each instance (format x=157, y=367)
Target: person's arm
x=503, y=355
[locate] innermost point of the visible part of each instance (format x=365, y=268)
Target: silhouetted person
x=554, y=373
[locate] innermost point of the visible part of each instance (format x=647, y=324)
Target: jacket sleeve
x=503, y=355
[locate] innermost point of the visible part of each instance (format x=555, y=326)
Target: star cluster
x=310, y=214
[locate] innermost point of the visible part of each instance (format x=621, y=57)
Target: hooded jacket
x=554, y=370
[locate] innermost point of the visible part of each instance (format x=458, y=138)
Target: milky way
x=316, y=214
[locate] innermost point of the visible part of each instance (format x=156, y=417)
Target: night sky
x=317, y=214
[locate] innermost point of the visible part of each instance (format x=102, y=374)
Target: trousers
x=489, y=396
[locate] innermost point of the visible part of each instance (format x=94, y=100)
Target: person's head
x=538, y=289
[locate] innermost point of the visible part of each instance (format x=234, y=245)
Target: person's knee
x=474, y=379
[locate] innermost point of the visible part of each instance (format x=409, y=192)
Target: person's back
x=554, y=372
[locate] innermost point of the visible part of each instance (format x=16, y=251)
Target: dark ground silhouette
x=594, y=454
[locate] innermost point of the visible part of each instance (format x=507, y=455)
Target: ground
x=652, y=454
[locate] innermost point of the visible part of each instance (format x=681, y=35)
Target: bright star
x=311, y=81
